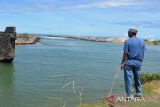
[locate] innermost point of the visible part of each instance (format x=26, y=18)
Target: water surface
x=39, y=75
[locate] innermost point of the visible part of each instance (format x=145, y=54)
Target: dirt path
x=157, y=91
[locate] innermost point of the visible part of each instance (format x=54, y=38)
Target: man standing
x=131, y=62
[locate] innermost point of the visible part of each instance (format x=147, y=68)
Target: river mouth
x=54, y=72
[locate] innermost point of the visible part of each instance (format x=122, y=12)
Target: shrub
x=148, y=77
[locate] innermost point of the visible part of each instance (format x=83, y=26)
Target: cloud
x=39, y=8
x=27, y=7
x=108, y=3
x=48, y=5
x=56, y=5
x=143, y=24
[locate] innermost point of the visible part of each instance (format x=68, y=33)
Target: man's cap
x=132, y=30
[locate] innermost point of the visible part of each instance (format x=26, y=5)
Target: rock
x=27, y=39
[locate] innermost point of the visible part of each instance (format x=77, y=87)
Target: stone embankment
x=26, y=39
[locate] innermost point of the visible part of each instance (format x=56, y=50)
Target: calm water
x=55, y=71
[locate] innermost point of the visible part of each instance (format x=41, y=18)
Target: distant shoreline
x=94, y=38
x=33, y=38
x=105, y=39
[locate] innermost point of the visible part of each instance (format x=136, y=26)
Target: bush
x=148, y=77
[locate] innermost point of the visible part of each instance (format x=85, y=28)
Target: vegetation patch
x=155, y=42
x=148, y=77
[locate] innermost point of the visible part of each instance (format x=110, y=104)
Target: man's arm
x=144, y=48
x=125, y=54
x=124, y=58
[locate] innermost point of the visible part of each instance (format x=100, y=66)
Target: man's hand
x=124, y=58
x=122, y=66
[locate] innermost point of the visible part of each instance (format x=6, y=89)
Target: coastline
x=105, y=39
x=26, y=39
x=94, y=38
x=33, y=38
x=152, y=42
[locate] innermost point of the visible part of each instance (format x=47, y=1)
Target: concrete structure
x=7, y=44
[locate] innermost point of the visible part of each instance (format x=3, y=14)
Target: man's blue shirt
x=134, y=47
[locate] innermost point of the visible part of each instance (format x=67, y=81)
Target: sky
x=107, y=18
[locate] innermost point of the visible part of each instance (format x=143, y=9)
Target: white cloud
x=47, y=5
x=145, y=24
x=108, y=3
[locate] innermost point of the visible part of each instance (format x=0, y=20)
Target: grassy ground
x=151, y=94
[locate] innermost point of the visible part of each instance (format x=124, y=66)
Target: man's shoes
x=138, y=96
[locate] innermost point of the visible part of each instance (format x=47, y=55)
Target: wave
x=53, y=37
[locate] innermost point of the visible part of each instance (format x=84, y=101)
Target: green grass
x=152, y=99
x=148, y=77
x=94, y=105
